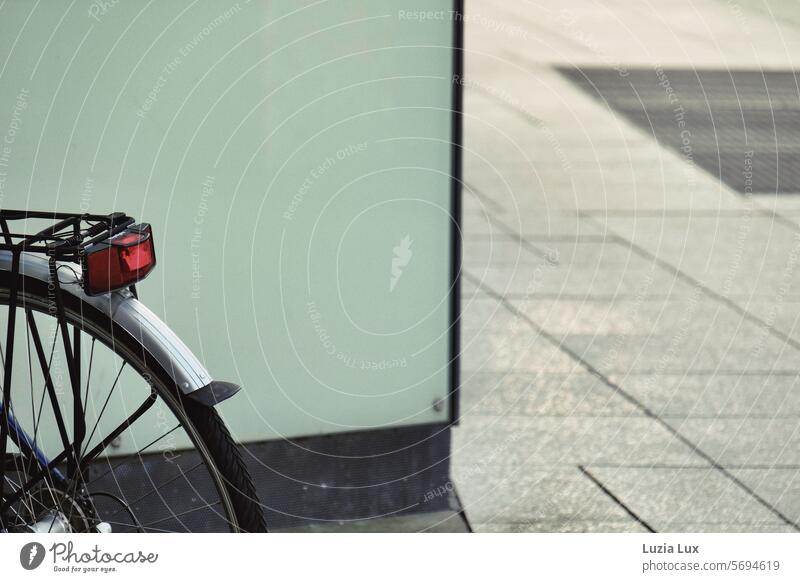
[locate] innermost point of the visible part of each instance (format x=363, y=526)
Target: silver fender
x=156, y=337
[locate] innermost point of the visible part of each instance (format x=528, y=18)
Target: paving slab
x=519, y=351
x=674, y=334
x=584, y=269
x=746, y=254
x=487, y=313
x=716, y=395
x=477, y=221
x=553, y=494
x=505, y=443
x=503, y=251
x=664, y=497
x=730, y=528
x=782, y=312
x=541, y=394
x=628, y=525
x=744, y=441
x=780, y=486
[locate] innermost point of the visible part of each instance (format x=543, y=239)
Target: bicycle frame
x=39, y=256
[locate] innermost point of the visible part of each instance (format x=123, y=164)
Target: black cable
x=124, y=505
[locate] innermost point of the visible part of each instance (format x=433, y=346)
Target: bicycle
x=69, y=436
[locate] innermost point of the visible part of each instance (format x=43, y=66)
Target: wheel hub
x=49, y=510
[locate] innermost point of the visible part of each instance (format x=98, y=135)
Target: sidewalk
x=630, y=339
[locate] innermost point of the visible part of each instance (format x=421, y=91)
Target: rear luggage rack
x=113, y=252
x=67, y=236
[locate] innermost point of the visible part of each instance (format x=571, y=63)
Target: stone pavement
x=630, y=331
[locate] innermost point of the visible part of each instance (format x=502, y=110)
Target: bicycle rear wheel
x=128, y=451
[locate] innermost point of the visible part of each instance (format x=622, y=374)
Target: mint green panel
x=294, y=160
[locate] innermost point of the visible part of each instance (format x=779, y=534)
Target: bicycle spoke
x=105, y=404
x=89, y=374
x=76, y=355
x=48, y=381
x=37, y=419
x=45, y=365
x=100, y=447
x=23, y=472
x=42, y=473
x=30, y=366
x=153, y=529
x=82, y=461
x=79, y=478
x=12, y=483
x=5, y=454
x=78, y=412
x=8, y=362
x=177, y=515
x=157, y=488
x=139, y=452
x=164, y=484
x=183, y=474
x=46, y=372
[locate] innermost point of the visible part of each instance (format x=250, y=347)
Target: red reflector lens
x=138, y=257
x=119, y=262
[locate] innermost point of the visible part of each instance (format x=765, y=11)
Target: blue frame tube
x=26, y=444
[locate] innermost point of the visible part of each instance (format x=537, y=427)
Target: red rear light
x=120, y=261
